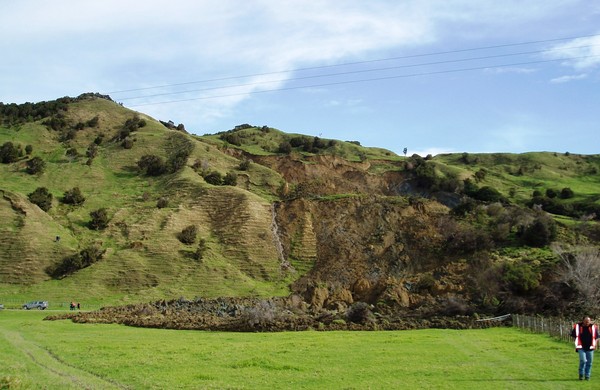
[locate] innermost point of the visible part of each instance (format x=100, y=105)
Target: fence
x=558, y=328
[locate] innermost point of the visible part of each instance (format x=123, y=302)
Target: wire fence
x=555, y=327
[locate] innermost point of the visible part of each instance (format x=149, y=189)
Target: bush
x=35, y=165
x=284, y=147
x=99, y=219
x=540, y=233
x=92, y=151
x=214, y=178
x=162, y=203
x=232, y=138
x=28, y=149
x=188, y=235
x=10, y=153
x=151, y=165
x=41, y=197
x=199, y=253
x=230, y=179
x=73, y=263
x=566, y=193
x=244, y=164
x=73, y=196
x=550, y=193
x=521, y=277
x=488, y=194
x=127, y=143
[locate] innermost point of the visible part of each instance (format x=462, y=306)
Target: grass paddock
x=60, y=354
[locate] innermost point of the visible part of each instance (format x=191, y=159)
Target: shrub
x=93, y=122
x=566, y=193
x=127, y=143
x=41, y=197
x=10, y=153
x=35, y=165
x=161, y=203
x=488, y=194
x=75, y=262
x=214, y=178
x=199, y=253
x=188, y=235
x=73, y=196
x=285, y=147
x=72, y=153
x=540, y=233
x=244, y=164
x=151, y=165
x=550, y=193
x=230, y=179
x=521, y=277
x=28, y=149
x=92, y=151
x=232, y=138
x=99, y=219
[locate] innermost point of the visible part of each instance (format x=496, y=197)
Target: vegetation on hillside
x=115, y=205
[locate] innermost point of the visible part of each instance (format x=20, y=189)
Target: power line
x=356, y=63
x=366, y=80
x=350, y=72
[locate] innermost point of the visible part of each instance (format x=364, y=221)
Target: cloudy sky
x=429, y=75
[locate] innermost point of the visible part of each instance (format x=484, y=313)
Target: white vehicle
x=40, y=305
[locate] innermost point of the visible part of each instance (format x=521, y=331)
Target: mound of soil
x=263, y=315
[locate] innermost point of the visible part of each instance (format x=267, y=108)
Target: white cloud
x=566, y=79
x=585, y=52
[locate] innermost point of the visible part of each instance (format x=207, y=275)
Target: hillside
x=272, y=214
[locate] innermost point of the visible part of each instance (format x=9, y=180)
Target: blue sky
x=430, y=75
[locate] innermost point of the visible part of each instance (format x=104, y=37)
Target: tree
x=540, y=233
x=99, y=219
x=73, y=196
x=41, y=197
x=151, y=165
x=10, y=153
x=35, y=165
x=581, y=271
x=566, y=193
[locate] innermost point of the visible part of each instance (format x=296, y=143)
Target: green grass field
x=41, y=354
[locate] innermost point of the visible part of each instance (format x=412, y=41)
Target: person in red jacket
x=585, y=334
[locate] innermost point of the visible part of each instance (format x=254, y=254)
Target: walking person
x=586, y=335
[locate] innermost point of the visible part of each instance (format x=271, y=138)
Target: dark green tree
x=151, y=165
x=35, y=165
x=99, y=219
x=10, y=153
x=41, y=197
x=73, y=196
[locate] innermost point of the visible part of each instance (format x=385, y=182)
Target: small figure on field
x=72, y=306
x=586, y=335
x=78, y=306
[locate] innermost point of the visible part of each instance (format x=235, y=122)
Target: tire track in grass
x=52, y=364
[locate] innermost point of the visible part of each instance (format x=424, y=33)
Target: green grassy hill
x=282, y=222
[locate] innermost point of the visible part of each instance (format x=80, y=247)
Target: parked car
x=40, y=305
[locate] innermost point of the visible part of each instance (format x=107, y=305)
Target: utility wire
x=356, y=63
x=366, y=80
x=349, y=72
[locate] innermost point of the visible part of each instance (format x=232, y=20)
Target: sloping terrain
x=274, y=214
